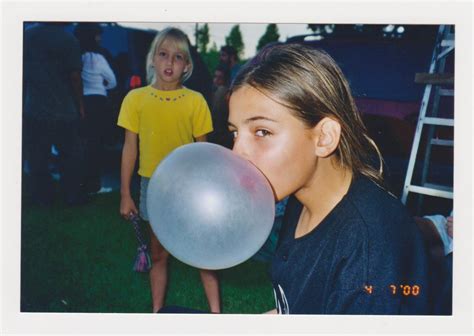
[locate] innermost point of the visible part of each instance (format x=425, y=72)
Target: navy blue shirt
x=366, y=257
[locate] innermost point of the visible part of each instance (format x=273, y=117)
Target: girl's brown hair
x=310, y=83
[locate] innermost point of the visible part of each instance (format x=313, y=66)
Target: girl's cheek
x=263, y=158
x=269, y=147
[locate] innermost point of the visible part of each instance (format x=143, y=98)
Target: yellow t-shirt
x=163, y=120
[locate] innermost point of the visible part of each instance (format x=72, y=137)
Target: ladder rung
x=434, y=78
x=442, y=142
x=445, y=52
x=438, y=187
x=441, y=191
x=446, y=92
x=438, y=121
x=448, y=42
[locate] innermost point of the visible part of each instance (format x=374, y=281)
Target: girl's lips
x=168, y=72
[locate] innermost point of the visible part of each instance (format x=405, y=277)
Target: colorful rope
x=143, y=260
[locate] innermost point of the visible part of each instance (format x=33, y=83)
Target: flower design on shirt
x=168, y=99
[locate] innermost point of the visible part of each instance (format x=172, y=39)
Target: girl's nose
x=239, y=147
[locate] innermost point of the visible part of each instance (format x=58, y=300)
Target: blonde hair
x=309, y=83
x=183, y=45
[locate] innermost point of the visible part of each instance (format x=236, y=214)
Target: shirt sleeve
x=202, y=120
x=128, y=117
x=107, y=73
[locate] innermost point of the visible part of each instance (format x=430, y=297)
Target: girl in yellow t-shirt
x=163, y=116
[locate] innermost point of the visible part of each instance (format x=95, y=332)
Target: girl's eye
x=234, y=134
x=262, y=133
x=161, y=53
x=180, y=57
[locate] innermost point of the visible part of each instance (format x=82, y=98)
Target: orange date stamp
x=405, y=290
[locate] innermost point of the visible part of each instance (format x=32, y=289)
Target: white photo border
x=403, y=12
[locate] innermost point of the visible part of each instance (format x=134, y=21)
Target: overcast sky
x=251, y=33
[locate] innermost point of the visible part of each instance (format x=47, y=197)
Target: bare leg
x=211, y=287
x=158, y=272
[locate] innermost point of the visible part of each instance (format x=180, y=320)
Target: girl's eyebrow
x=167, y=50
x=259, y=118
x=256, y=118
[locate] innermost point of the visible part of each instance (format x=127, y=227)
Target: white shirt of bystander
x=97, y=76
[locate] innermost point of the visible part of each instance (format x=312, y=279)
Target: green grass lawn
x=80, y=259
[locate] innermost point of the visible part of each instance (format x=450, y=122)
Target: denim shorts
x=143, y=194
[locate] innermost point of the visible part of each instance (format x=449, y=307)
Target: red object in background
x=388, y=108
x=135, y=82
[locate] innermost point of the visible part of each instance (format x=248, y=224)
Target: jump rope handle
x=143, y=260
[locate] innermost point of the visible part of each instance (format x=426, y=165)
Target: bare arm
x=202, y=138
x=129, y=158
x=76, y=82
x=273, y=311
x=449, y=226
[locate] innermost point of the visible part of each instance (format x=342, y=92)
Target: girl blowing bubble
x=163, y=115
x=347, y=246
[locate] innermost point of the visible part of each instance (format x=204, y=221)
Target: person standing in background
x=229, y=57
x=97, y=78
x=52, y=109
x=220, y=109
x=438, y=233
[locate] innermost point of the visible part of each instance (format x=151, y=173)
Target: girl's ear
x=328, y=134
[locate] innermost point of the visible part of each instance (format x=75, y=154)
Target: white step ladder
x=435, y=78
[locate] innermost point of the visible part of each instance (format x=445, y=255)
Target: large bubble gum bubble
x=208, y=207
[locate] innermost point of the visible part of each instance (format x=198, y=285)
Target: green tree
x=203, y=38
x=214, y=47
x=235, y=40
x=271, y=35
x=211, y=58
